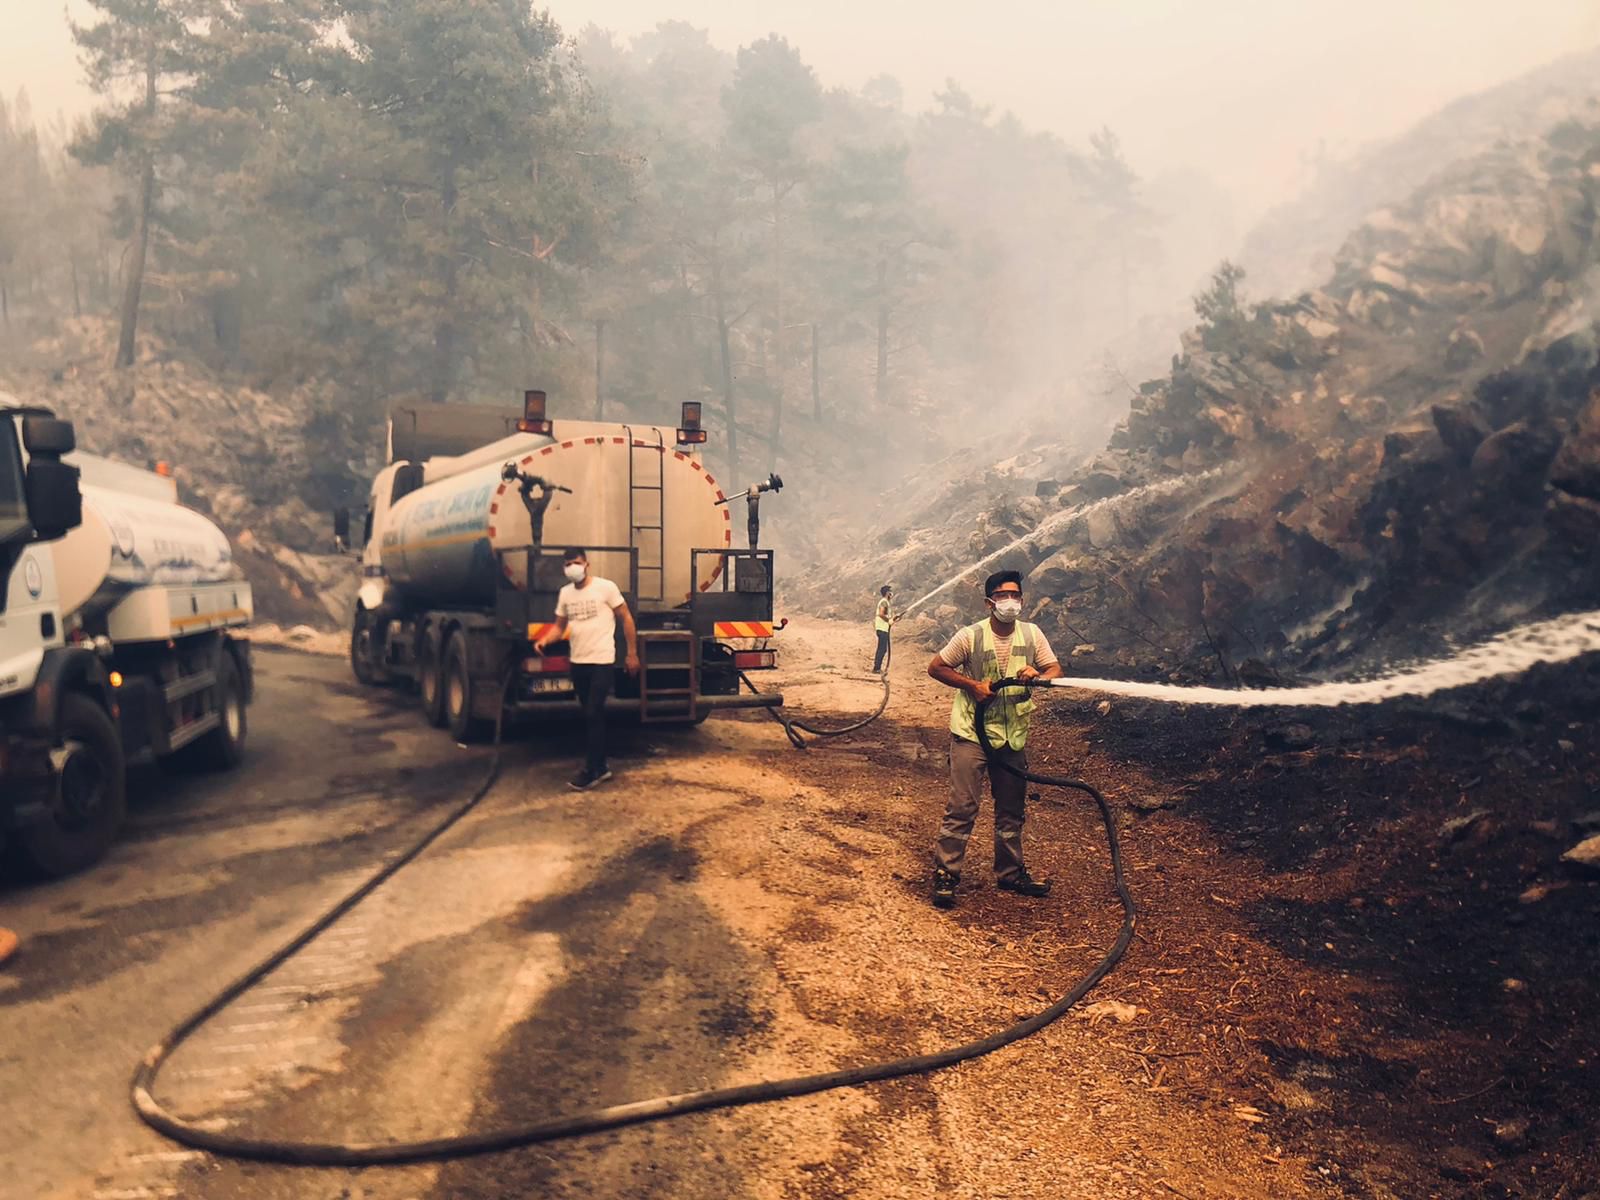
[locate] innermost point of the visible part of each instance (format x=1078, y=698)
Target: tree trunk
x=777, y=273
x=816, y=383
x=599, y=366
x=1127, y=300
x=127, y=340
x=444, y=333
x=721, y=300
x=880, y=394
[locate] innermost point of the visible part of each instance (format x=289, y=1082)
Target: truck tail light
x=548, y=664
x=534, y=419
x=755, y=660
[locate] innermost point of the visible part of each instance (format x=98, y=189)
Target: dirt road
x=727, y=910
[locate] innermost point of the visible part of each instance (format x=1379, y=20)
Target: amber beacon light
x=534, y=419
x=689, y=431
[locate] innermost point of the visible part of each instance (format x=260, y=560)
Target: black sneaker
x=1024, y=884
x=583, y=780
x=944, y=888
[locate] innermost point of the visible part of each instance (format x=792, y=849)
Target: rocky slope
x=1407, y=455
x=268, y=467
x=1293, y=246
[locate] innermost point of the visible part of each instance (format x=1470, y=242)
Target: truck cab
x=30, y=622
x=101, y=665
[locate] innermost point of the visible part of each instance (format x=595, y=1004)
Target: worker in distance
x=999, y=647
x=882, y=620
x=588, y=609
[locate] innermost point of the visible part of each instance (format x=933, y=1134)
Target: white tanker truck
x=120, y=613
x=461, y=565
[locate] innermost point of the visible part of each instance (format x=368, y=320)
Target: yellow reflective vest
x=1007, y=717
x=880, y=620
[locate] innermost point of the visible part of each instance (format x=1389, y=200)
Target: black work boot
x=1024, y=884
x=944, y=888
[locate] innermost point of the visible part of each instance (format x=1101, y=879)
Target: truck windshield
x=13, y=500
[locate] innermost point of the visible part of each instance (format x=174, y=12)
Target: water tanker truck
x=461, y=565
x=121, y=614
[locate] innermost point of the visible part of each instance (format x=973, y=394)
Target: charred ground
x=1422, y=1011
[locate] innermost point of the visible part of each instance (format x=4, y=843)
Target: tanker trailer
x=119, y=639
x=461, y=565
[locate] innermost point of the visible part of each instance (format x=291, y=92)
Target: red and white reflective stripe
x=743, y=629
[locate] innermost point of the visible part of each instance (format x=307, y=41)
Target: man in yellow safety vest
x=1002, y=646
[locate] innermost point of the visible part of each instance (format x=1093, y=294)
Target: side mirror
x=55, y=505
x=341, y=529
x=48, y=437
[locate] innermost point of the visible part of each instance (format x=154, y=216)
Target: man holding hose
x=1002, y=646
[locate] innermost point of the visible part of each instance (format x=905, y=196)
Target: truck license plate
x=552, y=685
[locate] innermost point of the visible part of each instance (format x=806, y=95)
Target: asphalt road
x=725, y=911
x=542, y=957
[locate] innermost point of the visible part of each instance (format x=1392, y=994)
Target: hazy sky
x=1240, y=88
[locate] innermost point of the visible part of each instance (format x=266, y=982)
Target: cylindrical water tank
x=129, y=540
x=630, y=487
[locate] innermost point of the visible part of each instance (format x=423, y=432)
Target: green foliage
x=448, y=199
x=1224, y=321
x=772, y=102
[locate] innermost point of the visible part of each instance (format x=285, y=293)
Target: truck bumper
x=614, y=704
x=25, y=776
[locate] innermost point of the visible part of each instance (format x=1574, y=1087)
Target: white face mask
x=1008, y=610
x=575, y=571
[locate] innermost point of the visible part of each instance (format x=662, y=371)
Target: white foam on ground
x=1150, y=491
x=1558, y=640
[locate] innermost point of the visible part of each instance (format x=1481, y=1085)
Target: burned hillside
x=1409, y=454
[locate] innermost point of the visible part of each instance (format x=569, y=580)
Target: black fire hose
x=369, y=1154
x=793, y=725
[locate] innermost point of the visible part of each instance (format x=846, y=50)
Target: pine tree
x=142, y=48
x=772, y=103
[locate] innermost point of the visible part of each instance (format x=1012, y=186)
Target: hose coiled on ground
x=200, y=1136
x=793, y=726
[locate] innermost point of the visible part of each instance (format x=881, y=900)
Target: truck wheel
x=363, y=660
x=223, y=748
x=456, y=678
x=430, y=687
x=88, y=797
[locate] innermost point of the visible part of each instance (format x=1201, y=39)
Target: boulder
x=1062, y=574
x=1513, y=461
x=1575, y=520
x=1462, y=350
x=1576, y=468
x=1101, y=483
x=1229, y=422
x=1460, y=428
x=1105, y=530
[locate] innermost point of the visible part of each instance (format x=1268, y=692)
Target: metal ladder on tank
x=647, y=515
x=666, y=656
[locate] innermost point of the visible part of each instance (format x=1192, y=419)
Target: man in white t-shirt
x=588, y=609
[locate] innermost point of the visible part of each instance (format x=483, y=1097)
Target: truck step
x=199, y=727
x=187, y=686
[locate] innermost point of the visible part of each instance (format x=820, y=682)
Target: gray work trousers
x=968, y=769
